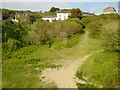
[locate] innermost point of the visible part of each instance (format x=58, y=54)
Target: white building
x=61, y=15
x=50, y=18
x=109, y=10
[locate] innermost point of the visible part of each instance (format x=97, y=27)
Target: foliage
x=76, y=13
x=86, y=20
x=13, y=44
x=76, y=20
x=53, y=9
x=34, y=17
x=32, y=38
x=109, y=16
x=42, y=31
x=49, y=13
x=65, y=9
x=94, y=28
x=109, y=35
x=12, y=30
x=5, y=14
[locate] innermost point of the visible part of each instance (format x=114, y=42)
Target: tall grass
x=24, y=67
x=101, y=69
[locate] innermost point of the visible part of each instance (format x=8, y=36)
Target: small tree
x=32, y=38
x=5, y=14
x=76, y=13
x=53, y=9
x=94, y=28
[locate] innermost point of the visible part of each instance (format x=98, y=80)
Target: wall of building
x=49, y=19
x=62, y=16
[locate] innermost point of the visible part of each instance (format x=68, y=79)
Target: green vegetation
x=26, y=64
x=53, y=9
x=76, y=13
x=32, y=45
x=101, y=69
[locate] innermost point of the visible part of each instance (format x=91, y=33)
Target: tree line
x=35, y=31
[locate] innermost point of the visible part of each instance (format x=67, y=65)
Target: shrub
x=109, y=35
x=32, y=38
x=86, y=20
x=94, y=28
x=43, y=31
x=12, y=44
x=76, y=13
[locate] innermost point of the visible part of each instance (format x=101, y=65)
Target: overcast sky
x=60, y=0
x=95, y=6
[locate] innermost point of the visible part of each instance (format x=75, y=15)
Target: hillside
x=71, y=53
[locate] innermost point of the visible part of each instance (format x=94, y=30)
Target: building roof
x=23, y=13
x=88, y=13
x=49, y=16
x=63, y=11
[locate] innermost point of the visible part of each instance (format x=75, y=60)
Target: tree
x=76, y=13
x=32, y=38
x=34, y=17
x=12, y=14
x=53, y=9
x=5, y=14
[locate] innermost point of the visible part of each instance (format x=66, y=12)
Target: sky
x=95, y=6
x=60, y=0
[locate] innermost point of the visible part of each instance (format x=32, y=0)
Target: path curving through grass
x=65, y=77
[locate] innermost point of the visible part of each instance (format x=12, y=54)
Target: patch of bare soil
x=64, y=77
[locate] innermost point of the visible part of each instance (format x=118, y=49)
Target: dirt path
x=64, y=77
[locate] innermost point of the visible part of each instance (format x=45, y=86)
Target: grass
x=85, y=86
x=70, y=42
x=101, y=69
x=21, y=71
x=24, y=66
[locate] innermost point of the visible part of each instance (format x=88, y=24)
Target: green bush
x=109, y=35
x=86, y=20
x=32, y=38
x=94, y=28
x=12, y=45
x=42, y=31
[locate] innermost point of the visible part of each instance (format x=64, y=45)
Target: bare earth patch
x=64, y=77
